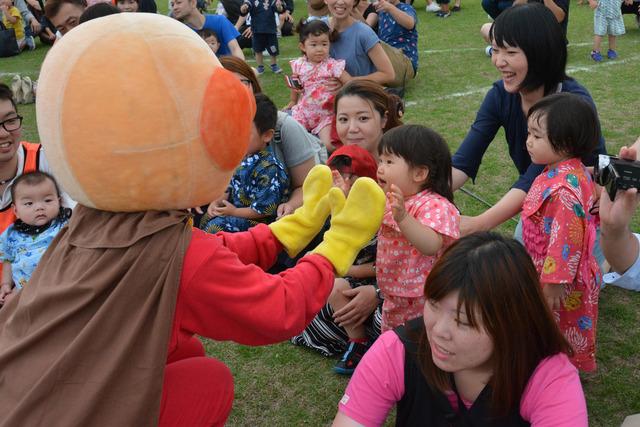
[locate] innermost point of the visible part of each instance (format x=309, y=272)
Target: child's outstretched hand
x=554, y=295
x=396, y=200
x=593, y=4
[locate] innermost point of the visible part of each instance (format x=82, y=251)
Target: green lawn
x=286, y=385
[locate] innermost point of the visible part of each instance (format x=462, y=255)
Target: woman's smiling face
x=359, y=123
x=512, y=64
x=340, y=9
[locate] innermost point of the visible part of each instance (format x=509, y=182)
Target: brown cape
x=85, y=342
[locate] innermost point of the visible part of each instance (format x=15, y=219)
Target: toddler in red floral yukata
x=558, y=228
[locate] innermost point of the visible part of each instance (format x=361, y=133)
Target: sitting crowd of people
x=420, y=315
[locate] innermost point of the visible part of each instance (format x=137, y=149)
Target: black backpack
x=8, y=42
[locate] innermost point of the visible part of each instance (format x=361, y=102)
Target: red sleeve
x=224, y=297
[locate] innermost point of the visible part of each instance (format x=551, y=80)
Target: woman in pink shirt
x=487, y=351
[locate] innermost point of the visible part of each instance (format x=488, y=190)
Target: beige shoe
x=631, y=421
x=16, y=88
x=27, y=90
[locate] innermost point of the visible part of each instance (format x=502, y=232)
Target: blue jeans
x=495, y=7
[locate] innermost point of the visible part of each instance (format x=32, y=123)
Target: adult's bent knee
x=196, y=391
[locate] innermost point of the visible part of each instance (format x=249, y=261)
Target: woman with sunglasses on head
x=363, y=112
x=294, y=146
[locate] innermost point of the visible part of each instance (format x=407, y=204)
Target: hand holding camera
x=614, y=173
x=618, y=243
x=618, y=173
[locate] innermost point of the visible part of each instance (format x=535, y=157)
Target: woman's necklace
x=3, y=182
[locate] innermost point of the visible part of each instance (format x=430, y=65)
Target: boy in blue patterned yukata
x=36, y=202
x=258, y=185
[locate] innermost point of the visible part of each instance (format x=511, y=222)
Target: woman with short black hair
x=529, y=51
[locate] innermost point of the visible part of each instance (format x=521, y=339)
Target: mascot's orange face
x=136, y=113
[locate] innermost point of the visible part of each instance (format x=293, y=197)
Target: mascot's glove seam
x=296, y=231
x=354, y=222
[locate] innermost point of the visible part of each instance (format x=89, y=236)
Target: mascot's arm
x=223, y=298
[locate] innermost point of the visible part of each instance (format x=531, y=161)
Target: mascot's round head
x=136, y=113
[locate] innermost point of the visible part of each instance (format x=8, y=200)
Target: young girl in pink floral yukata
x=420, y=221
x=558, y=228
x=312, y=104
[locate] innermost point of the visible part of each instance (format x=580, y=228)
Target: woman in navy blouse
x=530, y=52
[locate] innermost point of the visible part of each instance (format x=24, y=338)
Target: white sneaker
x=433, y=7
x=31, y=43
x=488, y=50
x=16, y=88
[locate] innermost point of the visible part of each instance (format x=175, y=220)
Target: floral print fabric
x=314, y=109
x=559, y=233
x=260, y=183
x=401, y=269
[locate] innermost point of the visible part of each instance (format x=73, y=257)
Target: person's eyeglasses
x=12, y=124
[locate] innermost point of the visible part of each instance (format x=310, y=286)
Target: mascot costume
x=140, y=122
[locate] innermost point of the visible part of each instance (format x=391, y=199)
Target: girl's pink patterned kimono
x=559, y=233
x=314, y=109
x=401, y=269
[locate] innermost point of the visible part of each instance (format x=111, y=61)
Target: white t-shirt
x=630, y=279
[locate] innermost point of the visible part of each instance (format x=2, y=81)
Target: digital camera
x=293, y=82
x=616, y=174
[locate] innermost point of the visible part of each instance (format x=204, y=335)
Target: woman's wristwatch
x=378, y=293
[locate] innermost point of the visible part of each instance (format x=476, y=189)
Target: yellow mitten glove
x=296, y=231
x=353, y=223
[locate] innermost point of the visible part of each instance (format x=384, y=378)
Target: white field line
x=570, y=70
x=459, y=49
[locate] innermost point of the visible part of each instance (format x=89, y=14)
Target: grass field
x=284, y=385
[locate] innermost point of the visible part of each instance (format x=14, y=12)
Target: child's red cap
x=362, y=162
